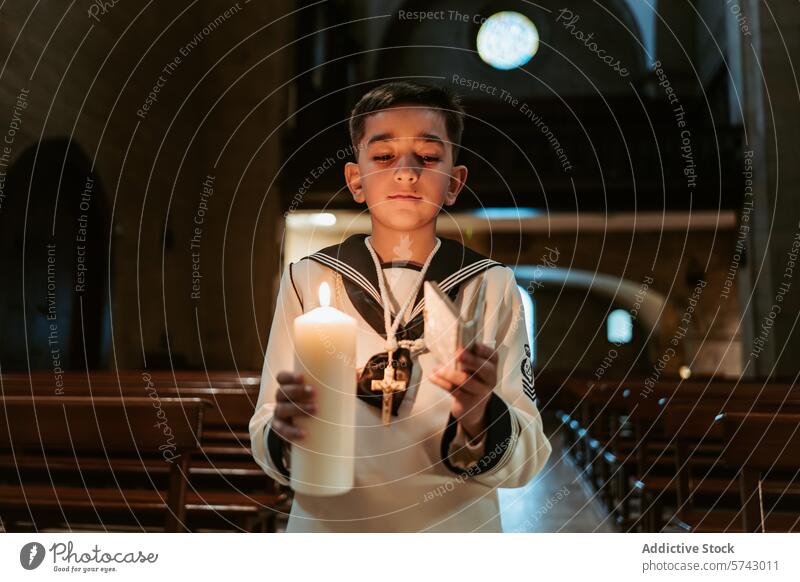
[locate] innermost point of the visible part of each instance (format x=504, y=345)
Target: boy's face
x=405, y=169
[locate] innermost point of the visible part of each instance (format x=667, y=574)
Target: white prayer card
x=446, y=331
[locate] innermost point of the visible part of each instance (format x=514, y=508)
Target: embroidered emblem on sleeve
x=526, y=367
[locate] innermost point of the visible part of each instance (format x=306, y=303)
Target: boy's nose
x=406, y=175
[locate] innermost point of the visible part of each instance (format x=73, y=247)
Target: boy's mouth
x=404, y=196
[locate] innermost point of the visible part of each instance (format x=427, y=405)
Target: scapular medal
x=384, y=386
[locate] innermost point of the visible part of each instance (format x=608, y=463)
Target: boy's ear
x=458, y=178
x=352, y=175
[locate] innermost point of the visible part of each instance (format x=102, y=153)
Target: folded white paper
x=446, y=331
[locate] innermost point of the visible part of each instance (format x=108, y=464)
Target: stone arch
x=54, y=234
x=656, y=315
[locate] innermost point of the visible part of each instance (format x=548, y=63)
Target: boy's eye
x=387, y=157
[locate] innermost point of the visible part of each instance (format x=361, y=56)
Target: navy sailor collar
x=452, y=265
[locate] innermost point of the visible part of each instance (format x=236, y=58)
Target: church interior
x=163, y=164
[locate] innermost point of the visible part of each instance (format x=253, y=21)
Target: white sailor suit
x=417, y=474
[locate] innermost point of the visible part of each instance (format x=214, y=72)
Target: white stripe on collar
x=456, y=278
x=446, y=284
x=348, y=272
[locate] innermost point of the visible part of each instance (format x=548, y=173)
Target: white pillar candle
x=325, y=350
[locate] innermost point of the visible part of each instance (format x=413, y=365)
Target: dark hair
x=408, y=92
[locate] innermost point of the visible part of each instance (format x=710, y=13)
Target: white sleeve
x=269, y=450
x=515, y=447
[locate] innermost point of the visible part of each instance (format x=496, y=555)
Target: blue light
x=507, y=213
x=619, y=327
x=507, y=40
x=529, y=308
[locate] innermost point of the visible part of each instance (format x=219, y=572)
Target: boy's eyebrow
x=420, y=137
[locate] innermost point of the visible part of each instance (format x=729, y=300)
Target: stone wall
x=165, y=98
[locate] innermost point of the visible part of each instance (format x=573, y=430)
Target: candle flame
x=324, y=295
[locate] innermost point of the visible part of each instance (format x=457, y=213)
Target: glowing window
x=530, y=319
x=619, y=327
x=507, y=40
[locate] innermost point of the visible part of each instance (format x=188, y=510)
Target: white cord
x=414, y=346
x=391, y=327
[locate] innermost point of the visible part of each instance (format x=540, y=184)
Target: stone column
x=770, y=279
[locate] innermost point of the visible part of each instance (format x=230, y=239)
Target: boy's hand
x=292, y=398
x=470, y=386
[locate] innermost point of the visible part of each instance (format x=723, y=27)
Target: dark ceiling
x=579, y=136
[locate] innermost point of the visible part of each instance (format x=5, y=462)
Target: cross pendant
x=388, y=385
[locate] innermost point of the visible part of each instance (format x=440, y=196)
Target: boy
x=452, y=436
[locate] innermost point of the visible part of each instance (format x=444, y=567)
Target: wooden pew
x=136, y=378
x=233, y=399
x=226, y=421
x=229, y=490
x=61, y=431
x=663, y=465
x=592, y=429
x=761, y=444
x=621, y=439
x=696, y=427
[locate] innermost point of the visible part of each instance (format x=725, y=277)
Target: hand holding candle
x=293, y=398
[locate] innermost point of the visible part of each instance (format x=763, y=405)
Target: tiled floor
x=557, y=500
